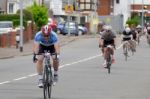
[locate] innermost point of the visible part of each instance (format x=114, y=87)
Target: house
x=123, y=7
x=12, y=6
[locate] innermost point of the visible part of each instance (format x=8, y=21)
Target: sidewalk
x=11, y=52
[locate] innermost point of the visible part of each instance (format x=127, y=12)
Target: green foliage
x=135, y=20
x=27, y=15
x=9, y=17
x=40, y=15
x=16, y=23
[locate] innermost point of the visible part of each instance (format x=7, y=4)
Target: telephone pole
x=21, y=26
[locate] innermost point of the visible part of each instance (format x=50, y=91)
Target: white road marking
x=20, y=78
x=5, y=82
x=62, y=66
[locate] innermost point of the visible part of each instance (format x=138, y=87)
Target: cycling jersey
x=108, y=35
x=40, y=39
x=126, y=35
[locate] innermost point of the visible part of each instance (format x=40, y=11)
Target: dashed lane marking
x=62, y=66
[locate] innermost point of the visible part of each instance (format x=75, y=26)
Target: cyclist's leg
x=39, y=65
x=104, y=52
x=55, y=62
x=124, y=45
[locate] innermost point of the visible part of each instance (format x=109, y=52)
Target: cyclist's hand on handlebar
x=34, y=58
x=57, y=56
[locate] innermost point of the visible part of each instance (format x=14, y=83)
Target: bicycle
x=128, y=47
x=108, y=57
x=148, y=40
x=47, y=76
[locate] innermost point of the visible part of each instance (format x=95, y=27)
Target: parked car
x=70, y=26
x=82, y=29
x=60, y=27
x=6, y=26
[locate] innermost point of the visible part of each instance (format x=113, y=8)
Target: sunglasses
x=46, y=35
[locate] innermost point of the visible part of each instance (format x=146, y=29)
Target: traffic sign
x=69, y=9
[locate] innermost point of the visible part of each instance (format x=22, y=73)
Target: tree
x=40, y=14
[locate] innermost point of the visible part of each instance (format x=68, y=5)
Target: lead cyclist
x=46, y=39
x=108, y=38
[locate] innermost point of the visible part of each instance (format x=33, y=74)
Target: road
x=81, y=74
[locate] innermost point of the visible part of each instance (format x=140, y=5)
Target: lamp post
x=142, y=16
x=68, y=22
x=21, y=26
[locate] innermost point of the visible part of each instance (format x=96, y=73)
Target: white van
x=6, y=26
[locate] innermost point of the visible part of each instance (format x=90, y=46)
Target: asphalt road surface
x=81, y=74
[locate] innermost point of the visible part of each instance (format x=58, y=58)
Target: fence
x=9, y=39
x=115, y=21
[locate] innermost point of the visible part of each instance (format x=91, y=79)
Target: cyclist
x=46, y=39
x=108, y=38
x=148, y=32
x=127, y=36
x=100, y=35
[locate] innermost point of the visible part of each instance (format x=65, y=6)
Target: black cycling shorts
x=111, y=42
x=43, y=48
x=126, y=39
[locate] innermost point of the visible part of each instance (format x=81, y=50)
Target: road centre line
x=62, y=66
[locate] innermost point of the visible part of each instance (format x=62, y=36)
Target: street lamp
x=142, y=16
x=21, y=26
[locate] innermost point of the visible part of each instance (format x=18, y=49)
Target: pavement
x=11, y=52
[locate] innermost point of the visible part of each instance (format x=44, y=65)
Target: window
x=117, y=1
x=86, y=5
x=11, y=7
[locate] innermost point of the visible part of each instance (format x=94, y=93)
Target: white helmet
x=107, y=27
x=127, y=29
x=148, y=28
x=139, y=26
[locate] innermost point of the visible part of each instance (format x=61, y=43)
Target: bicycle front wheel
x=109, y=61
x=47, y=83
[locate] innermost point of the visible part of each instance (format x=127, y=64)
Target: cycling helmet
x=127, y=30
x=148, y=28
x=46, y=30
x=139, y=26
x=107, y=27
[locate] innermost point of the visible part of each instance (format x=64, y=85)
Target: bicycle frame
x=108, y=57
x=47, y=76
x=148, y=39
x=126, y=46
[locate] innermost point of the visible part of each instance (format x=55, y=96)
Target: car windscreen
x=5, y=25
x=71, y=25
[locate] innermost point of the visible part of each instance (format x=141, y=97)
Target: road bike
x=148, y=39
x=108, y=57
x=139, y=37
x=128, y=46
x=47, y=76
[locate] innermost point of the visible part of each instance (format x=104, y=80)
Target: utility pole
x=142, y=16
x=68, y=21
x=21, y=26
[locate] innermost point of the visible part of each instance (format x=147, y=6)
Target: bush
x=40, y=15
x=9, y=17
x=134, y=21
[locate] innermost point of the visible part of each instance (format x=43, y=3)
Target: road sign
x=69, y=9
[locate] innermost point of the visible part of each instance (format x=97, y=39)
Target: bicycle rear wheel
x=126, y=53
x=47, y=83
x=109, y=61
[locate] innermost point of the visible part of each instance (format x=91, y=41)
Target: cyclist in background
x=108, y=38
x=101, y=30
x=46, y=39
x=127, y=36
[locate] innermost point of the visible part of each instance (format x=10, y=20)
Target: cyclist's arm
x=57, y=47
x=35, y=47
